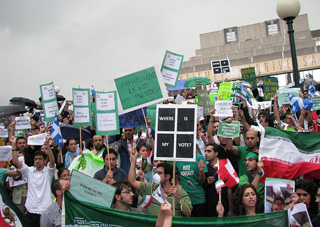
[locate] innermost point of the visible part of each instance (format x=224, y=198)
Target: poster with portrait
x=277, y=193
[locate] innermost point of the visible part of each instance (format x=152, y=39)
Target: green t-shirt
x=154, y=208
x=245, y=180
x=3, y=175
x=243, y=152
x=189, y=179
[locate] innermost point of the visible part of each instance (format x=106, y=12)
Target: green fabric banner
x=85, y=214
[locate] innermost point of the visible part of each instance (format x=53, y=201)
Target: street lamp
x=288, y=10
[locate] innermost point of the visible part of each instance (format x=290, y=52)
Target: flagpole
x=174, y=184
x=80, y=138
x=144, y=116
x=108, y=152
x=218, y=180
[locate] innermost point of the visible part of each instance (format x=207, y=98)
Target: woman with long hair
x=71, y=145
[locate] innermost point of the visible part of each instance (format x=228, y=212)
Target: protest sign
x=133, y=119
x=229, y=130
x=204, y=101
x=283, y=97
x=220, y=66
x=234, y=91
x=249, y=75
x=49, y=101
x=299, y=216
x=4, y=133
x=270, y=87
x=106, y=113
x=90, y=190
x=225, y=89
x=200, y=112
x=22, y=123
x=179, y=99
x=140, y=89
x=213, y=98
x=175, y=132
x=81, y=107
x=171, y=67
x=277, y=193
x=317, y=101
x=38, y=139
x=5, y=153
x=19, y=133
x=223, y=108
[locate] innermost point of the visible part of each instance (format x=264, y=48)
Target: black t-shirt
x=223, y=154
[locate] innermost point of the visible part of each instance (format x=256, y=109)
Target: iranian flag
x=288, y=155
x=227, y=173
x=145, y=201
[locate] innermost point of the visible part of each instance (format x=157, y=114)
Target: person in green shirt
x=255, y=170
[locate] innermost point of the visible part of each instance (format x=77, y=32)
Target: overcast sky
x=83, y=43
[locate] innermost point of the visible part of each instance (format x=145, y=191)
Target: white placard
x=179, y=99
x=105, y=101
x=4, y=133
x=48, y=92
x=81, y=115
x=38, y=139
x=299, y=216
x=223, y=108
x=22, y=123
x=80, y=98
x=106, y=121
x=51, y=108
x=172, y=61
x=5, y=153
x=200, y=112
x=169, y=77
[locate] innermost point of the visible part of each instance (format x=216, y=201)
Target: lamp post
x=288, y=10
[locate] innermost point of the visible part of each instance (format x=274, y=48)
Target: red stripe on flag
x=149, y=203
x=3, y=223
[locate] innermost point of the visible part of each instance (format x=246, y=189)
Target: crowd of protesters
x=130, y=166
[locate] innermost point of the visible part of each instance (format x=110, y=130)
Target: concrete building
x=264, y=46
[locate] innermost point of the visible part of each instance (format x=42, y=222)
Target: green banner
x=235, y=89
x=170, y=68
x=84, y=214
x=283, y=97
x=229, y=130
x=225, y=90
x=270, y=87
x=81, y=107
x=49, y=101
x=204, y=101
x=249, y=75
x=317, y=100
x=138, y=88
x=106, y=113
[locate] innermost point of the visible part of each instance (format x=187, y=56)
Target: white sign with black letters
x=176, y=132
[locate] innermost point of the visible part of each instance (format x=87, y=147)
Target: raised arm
x=132, y=171
x=50, y=154
x=210, y=126
x=15, y=160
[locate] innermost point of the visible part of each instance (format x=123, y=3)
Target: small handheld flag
x=55, y=132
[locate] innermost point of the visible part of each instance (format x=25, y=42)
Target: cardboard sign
x=204, y=101
x=90, y=190
x=38, y=139
x=4, y=133
x=223, y=108
x=5, y=153
x=249, y=75
x=283, y=97
x=81, y=107
x=176, y=132
x=22, y=123
x=270, y=87
x=229, y=130
x=171, y=67
x=106, y=113
x=49, y=101
x=225, y=89
x=317, y=105
x=140, y=89
x=133, y=119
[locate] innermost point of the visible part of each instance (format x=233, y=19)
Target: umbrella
x=23, y=101
x=7, y=111
x=59, y=98
x=196, y=81
x=70, y=131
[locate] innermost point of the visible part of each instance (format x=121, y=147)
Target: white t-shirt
x=39, y=196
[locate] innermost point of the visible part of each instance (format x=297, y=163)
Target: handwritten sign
x=175, y=132
x=171, y=67
x=229, y=130
x=224, y=92
x=106, y=113
x=23, y=122
x=223, y=108
x=38, y=139
x=81, y=107
x=283, y=97
x=270, y=87
x=90, y=190
x=249, y=75
x=204, y=101
x=133, y=119
x=47, y=92
x=5, y=153
x=317, y=105
x=140, y=89
x=49, y=101
x=4, y=133
x=50, y=109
